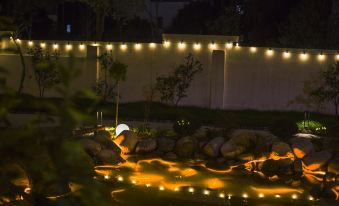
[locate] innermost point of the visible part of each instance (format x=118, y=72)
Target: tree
x=328, y=90
x=45, y=68
x=173, y=88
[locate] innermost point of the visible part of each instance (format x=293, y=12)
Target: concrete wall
x=233, y=77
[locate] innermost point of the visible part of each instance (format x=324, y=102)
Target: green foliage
x=173, y=88
x=328, y=90
x=284, y=128
x=45, y=65
x=312, y=126
x=145, y=131
x=185, y=126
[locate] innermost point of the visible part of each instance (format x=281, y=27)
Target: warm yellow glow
x=222, y=195
x=43, y=45
x=311, y=198
x=55, y=46
x=167, y=44
x=197, y=46
x=95, y=44
x=229, y=196
x=337, y=57
x=188, y=172
x=161, y=188
x=137, y=46
x=277, y=196
x=123, y=47
x=18, y=41
x=148, y=185
x=214, y=183
x=27, y=190
x=206, y=192
x=303, y=57
x=109, y=47
x=275, y=190
x=134, y=182
x=286, y=54
x=69, y=47
x=120, y=179
x=213, y=46
x=30, y=43
x=237, y=46
x=294, y=196
x=261, y=195
x=229, y=45
x=152, y=45
x=191, y=189
x=106, y=177
x=181, y=45
x=245, y=195
x=253, y=49
x=269, y=52
x=81, y=47
x=321, y=57
x=176, y=189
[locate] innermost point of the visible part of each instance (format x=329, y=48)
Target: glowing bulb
x=294, y=196
x=123, y=47
x=137, y=46
x=222, y=195
x=321, y=57
x=167, y=44
x=311, y=198
x=237, y=46
x=337, y=57
x=152, y=45
x=261, y=195
x=161, y=188
x=30, y=43
x=213, y=46
x=277, y=196
x=106, y=177
x=134, y=182
x=229, y=196
x=229, y=45
x=181, y=45
x=287, y=54
x=191, y=189
x=253, y=49
x=197, y=46
x=81, y=47
x=120, y=128
x=18, y=41
x=27, y=190
x=206, y=192
x=269, y=52
x=55, y=46
x=69, y=47
x=148, y=185
x=303, y=56
x=245, y=195
x=120, y=179
x=176, y=189
x=109, y=47
x=43, y=45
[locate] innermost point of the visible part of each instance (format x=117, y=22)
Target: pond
x=161, y=182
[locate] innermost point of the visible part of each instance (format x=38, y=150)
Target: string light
x=18, y=41
x=148, y=185
x=261, y=195
x=277, y=196
x=337, y=56
x=167, y=44
x=197, y=46
x=134, y=182
x=81, y=46
x=137, y=46
x=222, y=195
x=245, y=195
x=294, y=196
x=120, y=179
x=269, y=52
x=109, y=47
x=182, y=45
x=95, y=44
x=321, y=57
x=43, y=45
x=161, y=188
x=106, y=177
x=152, y=45
x=253, y=49
x=304, y=56
x=229, y=196
x=229, y=45
x=311, y=198
x=30, y=43
x=213, y=46
x=69, y=47
x=123, y=47
x=287, y=54
x=206, y=192
x=237, y=46
x=176, y=189
x=55, y=46
x=191, y=189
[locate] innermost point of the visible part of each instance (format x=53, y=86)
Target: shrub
x=284, y=128
x=311, y=126
x=185, y=127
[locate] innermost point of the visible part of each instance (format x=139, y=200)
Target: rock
x=127, y=140
x=316, y=160
x=297, y=166
x=57, y=189
x=281, y=167
x=166, y=144
x=281, y=148
x=91, y=147
x=333, y=166
x=146, y=145
x=301, y=147
x=185, y=147
x=250, y=141
x=109, y=157
x=212, y=148
x=170, y=156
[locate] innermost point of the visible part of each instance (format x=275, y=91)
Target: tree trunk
x=117, y=104
x=23, y=65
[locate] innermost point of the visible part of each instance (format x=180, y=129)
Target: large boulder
x=146, y=145
x=280, y=167
x=127, y=140
x=166, y=144
x=333, y=166
x=109, y=157
x=281, y=148
x=91, y=147
x=212, y=148
x=249, y=141
x=316, y=160
x=185, y=147
x=302, y=147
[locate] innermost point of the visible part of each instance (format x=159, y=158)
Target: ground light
x=120, y=128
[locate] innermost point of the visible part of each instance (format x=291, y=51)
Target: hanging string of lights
x=303, y=54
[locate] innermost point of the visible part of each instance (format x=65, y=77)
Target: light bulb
x=253, y=49
x=55, y=46
x=43, y=45
x=109, y=47
x=137, y=46
x=287, y=54
x=269, y=52
x=229, y=45
x=123, y=47
x=81, y=47
x=182, y=45
x=167, y=44
x=197, y=46
x=152, y=45
x=69, y=47
x=30, y=43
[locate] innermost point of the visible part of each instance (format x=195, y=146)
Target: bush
x=284, y=128
x=185, y=126
x=311, y=126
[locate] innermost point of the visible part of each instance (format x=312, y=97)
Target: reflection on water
x=160, y=182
